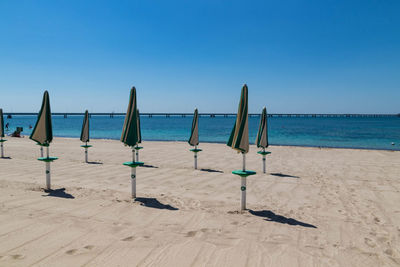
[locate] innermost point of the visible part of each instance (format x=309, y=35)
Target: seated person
x=17, y=132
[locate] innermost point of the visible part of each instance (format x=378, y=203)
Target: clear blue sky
x=320, y=56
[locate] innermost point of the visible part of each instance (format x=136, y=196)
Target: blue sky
x=296, y=56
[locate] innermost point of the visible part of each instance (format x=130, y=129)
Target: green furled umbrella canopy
x=1, y=123
x=131, y=136
x=85, y=128
x=138, y=127
x=130, y=132
x=1, y=134
x=262, y=134
x=239, y=138
x=43, y=132
x=194, y=134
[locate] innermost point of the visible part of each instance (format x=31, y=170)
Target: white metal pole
x=244, y=162
x=264, y=160
x=243, y=188
x=195, y=158
x=263, y=163
x=86, y=153
x=133, y=175
x=48, y=185
x=133, y=178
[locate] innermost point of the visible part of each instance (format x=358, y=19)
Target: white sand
x=314, y=207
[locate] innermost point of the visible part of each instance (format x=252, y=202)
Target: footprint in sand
x=382, y=239
x=17, y=257
x=389, y=252
x=129, y=238
x=191, y=233
x=71, y=251
x=369, y=242
x=281, y=238
x=89, y=247
x=233, y=212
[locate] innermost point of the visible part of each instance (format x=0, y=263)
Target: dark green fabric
x=262, y=134
x=130, y=130
x=237, y=139
x=1, y=123
x=194, y=133
x=43, y=131
x=85, y=128
x=139, y=128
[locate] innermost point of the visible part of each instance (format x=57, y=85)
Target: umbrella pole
x=137, y=154
x=243, y=187
x=133, y=176
x=195, y=158
x=244, y=162
x=48, y=185
x=2, y=151
x=41, y=151
x=86, y=153
x=264, y=160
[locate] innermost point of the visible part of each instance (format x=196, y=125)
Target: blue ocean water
x=370, y=133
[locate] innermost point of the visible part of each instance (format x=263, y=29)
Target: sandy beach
x=314, y=207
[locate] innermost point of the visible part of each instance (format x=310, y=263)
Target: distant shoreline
x=219, y=114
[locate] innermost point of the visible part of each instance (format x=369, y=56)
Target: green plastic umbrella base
x=133, y=164
x=243, y=173
x=47, y=159
x=263, y=152
x=196, y=150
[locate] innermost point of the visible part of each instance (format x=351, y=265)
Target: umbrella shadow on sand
x=148, y=166
x=94, y=162
x=284, y=175
x=272, y=217
x=154, y=203
x=5, y=157
x=210, y=170
x=57, y=193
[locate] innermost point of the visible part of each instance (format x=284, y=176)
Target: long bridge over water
x=212, y=115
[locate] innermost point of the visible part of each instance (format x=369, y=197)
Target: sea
x=340, y=132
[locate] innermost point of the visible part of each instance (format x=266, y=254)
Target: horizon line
x=204, y=113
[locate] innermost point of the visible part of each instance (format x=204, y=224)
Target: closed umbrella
x=2, y=132
x=130, y=136
x=85, y=134
x=239, y=140
x=43, y=134
x=194, y=136
x=262, y=136
x=137, y=147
